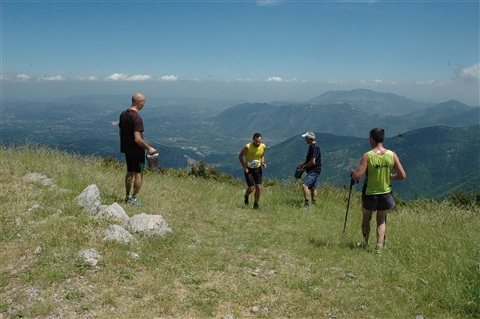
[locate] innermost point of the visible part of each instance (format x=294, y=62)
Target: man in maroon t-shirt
x=134, y=146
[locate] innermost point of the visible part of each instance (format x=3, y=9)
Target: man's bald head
x=137, y=97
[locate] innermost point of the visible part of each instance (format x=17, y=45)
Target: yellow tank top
x=254, y=155
x=379, y=169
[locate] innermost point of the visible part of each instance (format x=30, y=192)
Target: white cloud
x=125, y=77
x=52, y=78
x=86, y=78
x=22, y=77
x=430, y=82
x=13, y=77
x=426, y=82
x=378, y=81
x=117, y=77
x=169, y=78
x=335, y=81
x=275, y=79
x=468, y=75
x=139, y=78
x=242, y=80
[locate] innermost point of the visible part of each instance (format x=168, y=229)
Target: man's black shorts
x=378, y=202
x=254, y=176
x=135, y=162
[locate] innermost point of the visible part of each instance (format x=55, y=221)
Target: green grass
x=222, y=257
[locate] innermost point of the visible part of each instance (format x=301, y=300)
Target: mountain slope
x=467, y=118
x=386, y=103
x=346, y=119
x=280, y=123
x=439, y=114
x=438, y=156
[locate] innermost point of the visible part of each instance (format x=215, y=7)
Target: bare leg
x=367, y=217
x=258, y=190
x=381, y=226
x=314, y=194
x=306, y=192
x=249, y=190
x=129, y=181
x=138, y=183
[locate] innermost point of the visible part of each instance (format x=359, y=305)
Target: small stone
x=134, y=256
x=351, y=276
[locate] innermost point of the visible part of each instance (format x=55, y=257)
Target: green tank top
x=378, y=172
x=254, y=154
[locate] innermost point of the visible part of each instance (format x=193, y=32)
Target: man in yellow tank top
x=377, y=191
x=252, y=159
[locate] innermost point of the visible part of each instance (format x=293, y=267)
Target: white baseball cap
x=310, y=135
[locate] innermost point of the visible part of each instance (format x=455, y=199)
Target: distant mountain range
x=368, y=100
x=345, y=119
x=215, y=130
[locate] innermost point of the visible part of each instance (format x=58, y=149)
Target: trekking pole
x=352, y=181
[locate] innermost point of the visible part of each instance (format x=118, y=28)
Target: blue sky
x=259, y=51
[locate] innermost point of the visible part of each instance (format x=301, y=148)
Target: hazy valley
x=438, y=144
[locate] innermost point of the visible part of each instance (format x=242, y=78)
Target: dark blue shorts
x=135, y=162
x=254, y=176
x=311, y=180
x=378, y=202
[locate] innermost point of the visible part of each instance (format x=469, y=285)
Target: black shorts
x=254, y=176
x=135, y=162
x=378, y=202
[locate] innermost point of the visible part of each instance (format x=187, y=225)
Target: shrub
x=464, y=199
x=210, y=172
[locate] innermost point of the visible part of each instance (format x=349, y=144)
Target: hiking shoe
x=134, y=202
x=360, y=244
x=255, y=206
x=245, y=200
x=378, y=252
x=128, y=198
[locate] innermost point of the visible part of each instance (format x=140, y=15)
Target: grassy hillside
x=223, y=259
